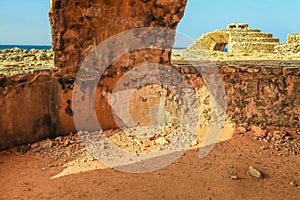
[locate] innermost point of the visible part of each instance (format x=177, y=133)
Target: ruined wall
x=29, y=105
x=293, y=38
x=262, y=93
x=291, y=47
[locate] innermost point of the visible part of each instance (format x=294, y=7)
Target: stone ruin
x=38, y=105
x=291, y=47
x=240, y=39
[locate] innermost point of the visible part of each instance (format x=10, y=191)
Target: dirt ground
x=61, y=168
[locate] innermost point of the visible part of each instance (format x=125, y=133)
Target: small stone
x=92, y=159
x=72, y=142
x=258, y=132
x=50, y=165
x=44, y=168
x=263, y=148
x=161, y=141
x=46, y=144
x=254, y=172
x=194, y=143
x=159, y=148
x=253, y=70
x=288, y=138
x=234, y=177
x=241, y=130
x=67, y=142
x=292, y=183
x=279, y=135
x=265, y=140
x=35, y=145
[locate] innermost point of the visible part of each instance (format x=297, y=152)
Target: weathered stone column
x=79, y=25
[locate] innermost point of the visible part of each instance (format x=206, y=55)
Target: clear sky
x=279, y=17
x=26, y=21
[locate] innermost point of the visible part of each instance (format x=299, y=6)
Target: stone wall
x=293, y=38
x=29, y=105
x=261, y=93
x=291, y=47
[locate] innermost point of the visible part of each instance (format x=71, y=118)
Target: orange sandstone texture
x=78, y=26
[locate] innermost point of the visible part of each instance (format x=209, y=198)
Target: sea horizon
x=26, y=47
x=42, y=47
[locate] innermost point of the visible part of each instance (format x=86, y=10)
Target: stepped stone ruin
x=239, y=38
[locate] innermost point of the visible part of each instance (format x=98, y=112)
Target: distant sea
x=179, y=48
x=27, y=47
x=42, y=47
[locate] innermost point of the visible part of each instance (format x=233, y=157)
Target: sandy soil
x=61, y=168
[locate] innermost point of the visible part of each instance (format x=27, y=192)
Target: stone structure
x=79, y=26
x=238, y=26
x=261, y=93
x=239, y=38
x=292, y=46
x=38, y=105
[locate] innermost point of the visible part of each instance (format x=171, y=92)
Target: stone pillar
x=80, y=25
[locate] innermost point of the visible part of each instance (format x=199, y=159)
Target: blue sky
x=26, y=21
x=279, y=17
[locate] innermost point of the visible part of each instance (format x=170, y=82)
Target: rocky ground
x=15, y=61
x=254, y=164
x=224, y=56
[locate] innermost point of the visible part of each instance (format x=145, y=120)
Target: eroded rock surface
x=79, y=26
